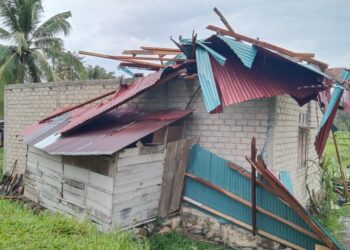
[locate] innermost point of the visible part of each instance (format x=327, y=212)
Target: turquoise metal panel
x=337, y=92
x=245, y=52
x=345, y=75
x=287, y=181
x=206, y=80
x=214, y=169
x=126, y=70
x=219, y=58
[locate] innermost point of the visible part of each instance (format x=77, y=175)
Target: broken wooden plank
x=253, y=184
x=279, y=189
x=223, y=20
x=175, y=164
x=266, y=45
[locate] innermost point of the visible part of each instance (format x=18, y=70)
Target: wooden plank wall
x=77, y=192
x=137, y=185
x=174, y=174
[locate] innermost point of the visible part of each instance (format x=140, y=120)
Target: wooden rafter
x=223, y=20
x=305, y=56
x=150, y=52
x=161, y=49
x=122, y=58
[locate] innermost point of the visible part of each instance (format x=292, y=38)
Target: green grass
x=343, y=142
x=20, y=228
x=332, y=221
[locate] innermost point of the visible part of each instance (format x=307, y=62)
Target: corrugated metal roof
x=124, y=94
x=270, y=75
x=212, y=168
x=104, y=135
x=344, y=74
x=238, y=84
x=327, y=120
x=219, y=58
x=245, y=52
x=206, y=80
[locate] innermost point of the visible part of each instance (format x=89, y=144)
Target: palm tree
x=29, y=46
x=98, y=72
x=67, y=69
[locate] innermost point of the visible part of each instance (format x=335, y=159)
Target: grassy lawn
x=332, y=221
x=343, y=142
x=20, y=228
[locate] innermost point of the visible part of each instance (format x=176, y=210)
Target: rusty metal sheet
x=104, y=135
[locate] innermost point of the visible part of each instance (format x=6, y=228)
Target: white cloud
x=110, y=26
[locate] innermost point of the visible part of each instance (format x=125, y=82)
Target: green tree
x=97, y=72
x=67, y=69
x=28, y=46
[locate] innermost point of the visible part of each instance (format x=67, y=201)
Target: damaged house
x=120, y=159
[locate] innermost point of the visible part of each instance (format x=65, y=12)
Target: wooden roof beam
x=121, y=58
x=223, y=20
x=269, y=46
x=150, y=52
x=146, y=64
x=160, y=49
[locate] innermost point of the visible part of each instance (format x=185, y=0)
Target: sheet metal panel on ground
x=214, y=169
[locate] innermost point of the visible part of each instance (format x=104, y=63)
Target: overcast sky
x=110, y=26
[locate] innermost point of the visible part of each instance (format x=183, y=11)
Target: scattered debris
x=11, y=185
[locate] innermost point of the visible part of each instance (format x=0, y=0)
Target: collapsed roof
x=105, y=135
x=231, y=68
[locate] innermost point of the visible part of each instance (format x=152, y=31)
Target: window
x=302, y=147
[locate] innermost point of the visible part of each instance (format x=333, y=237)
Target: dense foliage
x=30, y=47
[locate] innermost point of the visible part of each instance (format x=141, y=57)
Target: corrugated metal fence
x=274, y=217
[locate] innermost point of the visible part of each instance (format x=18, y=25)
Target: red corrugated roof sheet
x=124, y=94
x=107, y=134
x=322, y=136
x=270, y=75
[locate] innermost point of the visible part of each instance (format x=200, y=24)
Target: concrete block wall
x=26, y=104
x=286, y=143
x=227, y=134
x=272, y=121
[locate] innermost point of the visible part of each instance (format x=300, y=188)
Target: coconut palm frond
x=56, y=25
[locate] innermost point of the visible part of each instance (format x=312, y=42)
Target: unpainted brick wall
x=26, y=104
x=227, y=134
x=286, y=143
x=272, y=121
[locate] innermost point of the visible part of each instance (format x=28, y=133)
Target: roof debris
x=105, y=135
